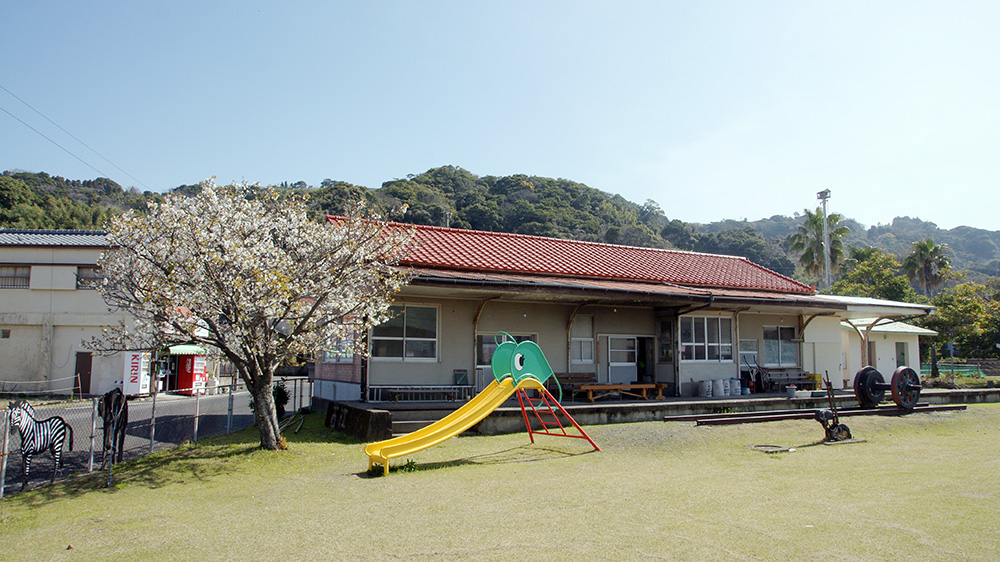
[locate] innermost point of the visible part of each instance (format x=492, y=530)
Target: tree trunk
x=262, y=390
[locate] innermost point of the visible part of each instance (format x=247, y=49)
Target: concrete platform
x=409, y=416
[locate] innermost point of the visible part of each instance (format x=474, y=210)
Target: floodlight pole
x=824, y=196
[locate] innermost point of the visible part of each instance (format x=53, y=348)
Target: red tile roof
x=474, y=250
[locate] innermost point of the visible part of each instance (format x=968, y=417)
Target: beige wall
x=546, y=321
x=455, y=348
x=819, y=353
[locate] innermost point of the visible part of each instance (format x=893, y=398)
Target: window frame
x=782, y=345
x=88, y=282
x=616, y=351
x=749, y=353
x=488, y=337
x=405, y=339
x=579, y=359
x=12, y=277
x=342, y=351
x=700, y=344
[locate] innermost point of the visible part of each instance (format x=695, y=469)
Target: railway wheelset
x=870, y=389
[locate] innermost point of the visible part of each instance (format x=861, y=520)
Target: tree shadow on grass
x=175, y=466
x=521, y=454
x=200, y=462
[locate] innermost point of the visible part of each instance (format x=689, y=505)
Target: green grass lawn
x=922, y=487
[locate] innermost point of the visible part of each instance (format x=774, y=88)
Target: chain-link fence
x=155, y=422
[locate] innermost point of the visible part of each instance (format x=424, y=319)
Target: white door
x=622, y=360
x=901, y=354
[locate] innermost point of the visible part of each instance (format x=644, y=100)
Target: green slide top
x=519, y=360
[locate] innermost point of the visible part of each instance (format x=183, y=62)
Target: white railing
x=423, y=393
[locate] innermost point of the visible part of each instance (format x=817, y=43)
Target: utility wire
x=71, y=135
x=54, y=142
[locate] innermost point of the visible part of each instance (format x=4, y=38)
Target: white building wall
x=885, y=359
x=49, y=321
x=821, y=349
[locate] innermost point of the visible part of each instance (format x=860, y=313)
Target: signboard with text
x=136, y=376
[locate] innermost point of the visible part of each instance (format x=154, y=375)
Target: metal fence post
x=197, y=399
x=3, y=451
x=111, y=465
x=93, y=434
x=229, y=416
x=302, y=386
x=152, y=424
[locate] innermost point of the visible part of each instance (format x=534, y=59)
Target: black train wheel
x=866, y=387
x=841, y=432
x=905, y=387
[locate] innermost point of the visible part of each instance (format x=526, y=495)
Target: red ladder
x=548, y=427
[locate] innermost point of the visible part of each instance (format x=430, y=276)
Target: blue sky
x=714, y=109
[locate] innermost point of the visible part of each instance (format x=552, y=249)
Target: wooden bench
x=776, y=381
x=638, y=390
x=570, y=382
x=578, y=383
x=396, y=395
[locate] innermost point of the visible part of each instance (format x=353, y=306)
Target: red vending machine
x=191, y=375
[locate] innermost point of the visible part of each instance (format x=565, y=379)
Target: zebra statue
x=38, y=436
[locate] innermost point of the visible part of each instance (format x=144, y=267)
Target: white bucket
x=705, y=389
x=734, y=387
x=719, y=388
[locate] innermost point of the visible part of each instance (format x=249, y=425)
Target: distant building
x=48, y=307
x=890, y=345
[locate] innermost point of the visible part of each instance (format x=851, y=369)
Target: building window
x=88, y=277
x=5, y=334
x=486, y=344
x=582, y=350
x=409, y=335
x=666, y=341
x=342, y=350
x=15, y=276
x=748, y=353
x=780, y=349
x=706, y=338
x=582, y=340
x=622, y=350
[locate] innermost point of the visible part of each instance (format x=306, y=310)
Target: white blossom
x=244, y=270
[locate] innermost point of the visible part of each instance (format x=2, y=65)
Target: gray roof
x=865, y=307
x=78, y=238
x=888, y=327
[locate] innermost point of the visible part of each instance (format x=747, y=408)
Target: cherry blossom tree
x=242, y=269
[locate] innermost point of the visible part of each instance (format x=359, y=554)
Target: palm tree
x=929, y=264
x=808, y=241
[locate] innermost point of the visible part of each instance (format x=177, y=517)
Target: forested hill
x=522, y=204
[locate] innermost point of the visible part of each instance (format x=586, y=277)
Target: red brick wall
x=340, y=372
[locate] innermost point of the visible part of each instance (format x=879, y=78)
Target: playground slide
x=451, y=425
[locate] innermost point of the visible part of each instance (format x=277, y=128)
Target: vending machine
x=192, y=377
x=135, y=379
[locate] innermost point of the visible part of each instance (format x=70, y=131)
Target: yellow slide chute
x=491, y=398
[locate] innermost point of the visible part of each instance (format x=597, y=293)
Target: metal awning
x=186, y=350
